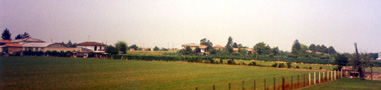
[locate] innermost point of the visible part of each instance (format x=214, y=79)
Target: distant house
x=193, y=46
x=146, y=49
x=250, y=50
x=11, y=48
x=309, y=51
x=218, y=47
x=94, y=46
x=318, y=53
x=34, y=46
x=235, y=49
x=60, y=47
x=379, y=56
x=203, y=48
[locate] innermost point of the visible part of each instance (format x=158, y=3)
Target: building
x=379, y=56
x=11, y=48
x=218, y=47
x=60, y=47
x=193, y=46
x=28, y=40
x=203, y=48
x=235, y=49
x=93, y=46
x=34, y=46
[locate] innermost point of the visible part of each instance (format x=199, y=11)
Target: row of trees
x=6, y=35
x=300, y=50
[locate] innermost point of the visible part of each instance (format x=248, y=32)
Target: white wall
x=92, y=47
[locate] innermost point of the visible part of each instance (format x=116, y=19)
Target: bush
x=91, y=54
x=310, y=67
x=320, y=68
x=297, y=67
x=232, y=62
x=252, y=64
x=292, y=56
x=274, y=65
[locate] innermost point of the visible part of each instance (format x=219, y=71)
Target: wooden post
x=291, y=83
x=265, y=83
x=274, y=84
x=196, y=88
x=314, y=78
x=298, y=82
x=214, y=87
x=243, y=85
x=323, y=76
x=319, y=78
x=335, y=74
x=254, y=85
x=309, y=78
x=332, y=75
x=304, y=80
x=371, y=73
x=328, y=76
x=229, y=86
x=283, y=84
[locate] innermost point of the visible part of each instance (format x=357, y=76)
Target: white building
x=379, y=56
x=93, y=46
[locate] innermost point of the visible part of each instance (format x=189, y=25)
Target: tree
x=230, y=42
x=206, y=42
x=275, y=51
x=296, y=48
x=341, y=60
x=331, y=50
x=262, y=49
x=188, y=50
x=312, y=47
x=318, y=48
x=111, y=50
x=156, y=48
x=18, y=36
x=235, y=45
x=21, y=36
x=6, y=34
x=134, y=47
x=197, y=50
x=121, y=46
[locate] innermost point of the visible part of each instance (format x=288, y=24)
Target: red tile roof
x=203, y=46
x=12, y=45
x=5, y=41
x=218, y=46
x=91, y=44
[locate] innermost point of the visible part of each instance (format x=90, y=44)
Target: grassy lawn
x=77, y=73
x=347, y=84
x=269, y=63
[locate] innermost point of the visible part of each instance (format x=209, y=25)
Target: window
x=95, y=48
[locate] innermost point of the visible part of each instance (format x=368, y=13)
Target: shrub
x=252, y=64
x=91, y=54
x=320, y=67
x=297, y=67
x=292, y=56
x=274, y=65
x=221, y=61
x=48, y=53
x=232, y=62
x=310, y=67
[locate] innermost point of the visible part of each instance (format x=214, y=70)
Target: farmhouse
x=203, y=48
x=193, y=46
x=379, y=56
x=11, y=48
x=34, y=46
x=28, y=40
x=60, y=47
x=91, y=47
x=218, y=47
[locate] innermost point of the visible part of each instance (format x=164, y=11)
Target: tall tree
x=121, y=46
x=262, y=49
x=318, y=48
x=134, y=47
x=235, y=45
x=206, y=42
x=341, y=60
x=18, y=36
x=296, y=48
x=331, y=50
x=230, y=42
x=111, y=50
x=275, y=50
x=156, y=48
x=6, y=34
x=324, y=49
x=312, y=47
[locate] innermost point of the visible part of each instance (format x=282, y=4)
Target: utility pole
x=358, y=63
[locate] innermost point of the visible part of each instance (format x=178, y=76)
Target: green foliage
x=289, y=65
x=197, y=50
x=281, y=65
x=262, y=49
x=156, y=48
x=275, y=50
x=274, y=65
x=331, y=50
x=231, y=61
x=297, y=67
x=252, y=64
x=121, y=46
x=6, y=34
x=296, y=48
x=21, y=36
x=206, y=42
x=111, y=50
x=134, y=47
x=312, y=47
x=341, y=60
x=230, y=43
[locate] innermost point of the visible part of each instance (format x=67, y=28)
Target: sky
x=170, y=23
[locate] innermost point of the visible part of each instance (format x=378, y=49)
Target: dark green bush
x=274, y=65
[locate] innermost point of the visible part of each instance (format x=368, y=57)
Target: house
x=193, y=46
x=11, y=48
x=218, y=47
x=60, y=47
x=250, y=50
x=309, y=51
x=146, y=49
x=3, y=42
x=203, y=48
x=34, y=46
x=235, y=49
x=318, y=53
x=28, y=40
x=94, y=46
x=91, y=47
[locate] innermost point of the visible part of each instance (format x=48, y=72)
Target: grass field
x=77, y=73
x=269, y=63
x=149, y=52
x=347, y=84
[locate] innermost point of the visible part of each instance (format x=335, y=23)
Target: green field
x=269, y=63
x=347, y=84
x=77, y=73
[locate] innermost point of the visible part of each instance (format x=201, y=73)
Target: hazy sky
x=337, y=23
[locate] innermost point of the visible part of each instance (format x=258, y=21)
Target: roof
x=218, y=46
x=190, y=45
x=91, y=44
x=12, y=45
x=5, y=41
x=36, y=44
x=28, y=40
x=203, y=46
x=235, y=49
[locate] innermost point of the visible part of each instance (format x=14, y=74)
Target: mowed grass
x=270, y=63
x=77, y=73
x=149, y=52
x=347, y=84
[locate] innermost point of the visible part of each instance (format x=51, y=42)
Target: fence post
x=309, y=78
x=196, y=88
x=243, y=85
x=314, y=78
x=304, y=80
x=331, y=75
x=214, y=87
x=291, y=83
x=274, y=84
x=319, y=78
x=265, y=83
x=328, y=76
x=298, y=82
x=254, y=85
x=335, y=74
x=283, y=83
x=323, y=77
x=229, y=86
